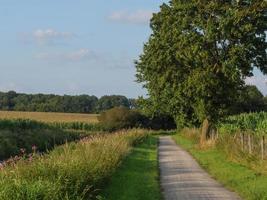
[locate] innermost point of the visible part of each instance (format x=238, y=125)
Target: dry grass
x=227, y=144
x=50, y=117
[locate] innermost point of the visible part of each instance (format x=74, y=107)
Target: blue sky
x=75, y=46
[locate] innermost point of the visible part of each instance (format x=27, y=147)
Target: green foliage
x=21, y=124
x=251, y=122
x=74, y=171
x=121, y=117
x=199, y=54
x=124, y=118
x=80, y=126
x=23, y=134
x=108, y=102
x=54, y=103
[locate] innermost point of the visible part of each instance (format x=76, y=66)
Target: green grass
x=249, y=184
x=74, y=171
x=137, y=178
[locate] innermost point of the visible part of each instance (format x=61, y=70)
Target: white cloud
x=50, y=34
x=75, y=56
x=46, y=36
x=80, y=55
x=137, y=17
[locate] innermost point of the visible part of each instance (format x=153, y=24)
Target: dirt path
x=182, y=178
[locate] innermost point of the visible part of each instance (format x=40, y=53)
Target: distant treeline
x=12, y=101
x=250, y=100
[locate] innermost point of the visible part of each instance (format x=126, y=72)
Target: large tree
x=199, y=54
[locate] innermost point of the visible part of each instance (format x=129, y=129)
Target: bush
x=120, y=118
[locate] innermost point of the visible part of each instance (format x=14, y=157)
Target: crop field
x=255, y=123
x=50, y=117
x=20, y=136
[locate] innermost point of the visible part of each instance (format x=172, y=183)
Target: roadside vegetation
x=138, y=177
x=225, y=161
x=72, y=171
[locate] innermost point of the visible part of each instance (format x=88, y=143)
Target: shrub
x=120, y=118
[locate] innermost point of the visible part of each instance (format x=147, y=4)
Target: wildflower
x=1, y=166
x=22, y=151
x=30, y=157
x=34, y=148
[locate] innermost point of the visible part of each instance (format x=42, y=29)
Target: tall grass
x=230, y=146
x=74, y=171
x=81, y=126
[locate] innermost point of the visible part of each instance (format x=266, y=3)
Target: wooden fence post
x=262, y=148
x=249, y=144
x=242, y=140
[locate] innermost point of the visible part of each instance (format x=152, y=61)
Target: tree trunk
x=205, y=131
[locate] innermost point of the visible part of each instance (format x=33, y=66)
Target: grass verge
x=248, y=183
x=74, y=171
x=137, y=178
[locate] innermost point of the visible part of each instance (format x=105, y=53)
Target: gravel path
x=182, y=178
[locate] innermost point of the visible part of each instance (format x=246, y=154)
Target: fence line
x=250, y=143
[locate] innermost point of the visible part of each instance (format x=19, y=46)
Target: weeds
x=74, y=171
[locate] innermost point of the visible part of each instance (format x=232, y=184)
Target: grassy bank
x=74, y=171
x=137, y=178
x=248, y=183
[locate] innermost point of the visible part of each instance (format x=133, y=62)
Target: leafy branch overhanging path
x=182, y=178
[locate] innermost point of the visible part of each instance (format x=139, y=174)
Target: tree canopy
x=55, y=103
x=199, y=54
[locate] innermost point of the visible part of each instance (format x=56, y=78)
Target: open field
x=50, y=117
x=17, y=137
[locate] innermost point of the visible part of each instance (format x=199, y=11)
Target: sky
x=76, y=46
